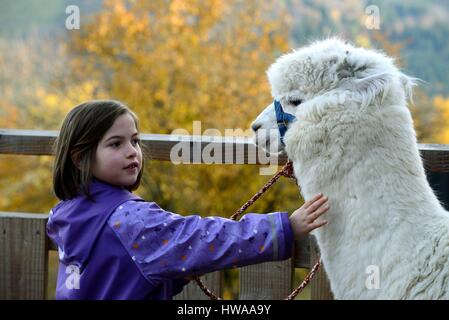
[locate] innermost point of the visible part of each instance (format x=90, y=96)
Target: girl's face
x=118, y=159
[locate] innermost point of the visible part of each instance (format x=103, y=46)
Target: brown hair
x=82, y=129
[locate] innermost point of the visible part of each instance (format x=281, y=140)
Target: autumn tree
x=172, y=62
x=28, y=67
x=182, y=61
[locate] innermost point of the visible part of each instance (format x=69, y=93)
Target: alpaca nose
x=255, y=127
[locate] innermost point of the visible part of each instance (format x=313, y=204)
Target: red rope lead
x=206, y=290
x=286, y=171
x=305, y=282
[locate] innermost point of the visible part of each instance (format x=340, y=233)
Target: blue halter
x=283, y=119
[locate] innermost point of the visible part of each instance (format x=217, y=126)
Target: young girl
x=114, y=245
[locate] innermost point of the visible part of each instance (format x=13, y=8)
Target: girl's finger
x=317, y=224
x=316, y=205
x=311, y=201
x=321, y=210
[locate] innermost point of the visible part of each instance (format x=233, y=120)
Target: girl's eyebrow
x=120, y=137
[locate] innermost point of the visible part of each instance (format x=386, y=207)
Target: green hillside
x=420, y=27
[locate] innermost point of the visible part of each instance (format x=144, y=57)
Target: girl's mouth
x=132, y=166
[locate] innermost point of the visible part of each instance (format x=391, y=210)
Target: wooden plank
x=266, y=281
x=213, y=281
x=23, y=215
x=23, y=256
x=28, y=142
x=320, y=286
x=198, y=149
x=435, y=158
x=302, y=253
x=206, y=150
x=6, y=214
x=185, y=149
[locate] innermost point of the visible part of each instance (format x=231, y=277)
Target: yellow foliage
x=363, y=41
x=172, y=62
x=442, y=106
x=190, y=60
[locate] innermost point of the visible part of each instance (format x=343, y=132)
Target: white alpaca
x=354, y=141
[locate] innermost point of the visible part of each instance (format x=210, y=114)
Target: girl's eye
x=115, y=144
x=295, y=102
x=137, y=141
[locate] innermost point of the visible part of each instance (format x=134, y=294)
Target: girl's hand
x=304, y=219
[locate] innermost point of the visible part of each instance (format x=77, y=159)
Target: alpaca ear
x=345, y=70
x=408, y=83
x=371, y=87
x=368, y=87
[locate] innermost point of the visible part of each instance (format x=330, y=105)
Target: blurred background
x=174, y=62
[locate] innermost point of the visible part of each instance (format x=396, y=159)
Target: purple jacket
x=122, y=247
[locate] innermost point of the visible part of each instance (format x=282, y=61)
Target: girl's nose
x=132, y=150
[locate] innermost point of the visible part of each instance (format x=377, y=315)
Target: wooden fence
x=24, y=246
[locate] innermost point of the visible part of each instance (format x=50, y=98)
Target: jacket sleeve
x=165, y=245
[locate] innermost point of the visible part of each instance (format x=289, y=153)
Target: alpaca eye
x=296, y=102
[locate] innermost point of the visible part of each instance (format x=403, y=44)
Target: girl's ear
x=75, y=159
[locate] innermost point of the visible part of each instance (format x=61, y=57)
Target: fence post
x=23, y=256
x=266, y=281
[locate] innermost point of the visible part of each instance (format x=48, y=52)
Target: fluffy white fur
x=354, y=141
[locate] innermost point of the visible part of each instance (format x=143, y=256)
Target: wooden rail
x=24, y=246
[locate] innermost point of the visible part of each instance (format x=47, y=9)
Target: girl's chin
x=125, y=183
x=130, y=182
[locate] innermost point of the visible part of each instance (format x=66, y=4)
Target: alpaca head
x=329, y=76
